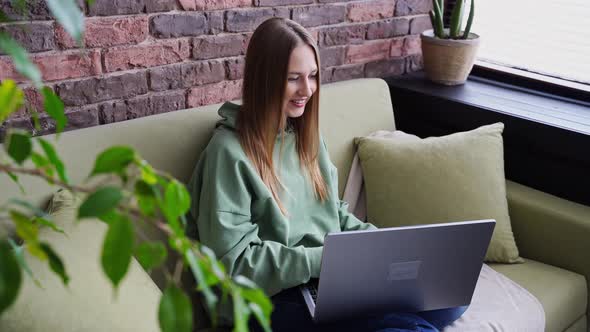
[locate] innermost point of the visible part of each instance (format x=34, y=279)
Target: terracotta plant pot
x=448, y=61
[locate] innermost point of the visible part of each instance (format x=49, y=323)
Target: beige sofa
x=552, y=234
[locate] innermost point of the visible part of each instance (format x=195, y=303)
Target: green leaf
x=175, y=311
x=469, y=20
x=142, y=188
x=25, y=229
x=200, y=277
x=55, y=108
x=69, y=16
x=55, y=263
x=19, y=145
x=147, y=205
x=117, y=249
x=100, y=202
x=21, y=60
x=29, y=232
x=10, y=276
x=113, y=160
x=49, y=223
x=35, y=118
x=262, y=318
x=43, y=164
x=257, y=296
x=14, y=178
x=457, y=19
x=147, y=173
x=150, y=255
x=54, y=159
x=176, y=198
x=20, y=258
x=11, y=98
x=241, y=312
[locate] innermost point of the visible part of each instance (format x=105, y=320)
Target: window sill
x=546, y=137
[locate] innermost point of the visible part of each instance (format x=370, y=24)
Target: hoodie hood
x=229, y=114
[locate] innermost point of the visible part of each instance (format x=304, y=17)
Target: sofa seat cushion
x=562, y=293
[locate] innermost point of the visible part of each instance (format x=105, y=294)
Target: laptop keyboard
x=312, y=286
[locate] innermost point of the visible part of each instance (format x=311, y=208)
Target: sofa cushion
x=562, y=293
x=89, y=303
x=413, y=181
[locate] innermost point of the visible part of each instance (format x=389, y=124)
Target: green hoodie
x=236, y=216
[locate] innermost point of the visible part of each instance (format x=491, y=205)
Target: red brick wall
x=144, y=57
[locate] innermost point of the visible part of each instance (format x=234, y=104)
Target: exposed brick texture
x=412, y=7
x=93, y=90
x=116, y=7
x=262, y=3
x=419, y=24
x=371, y=10
x=107, y=31
x=147, y=55
x=34, y=37
x=385, y=67
x=248, y=19
x=388, y=29
x=312, y=16
x=214, y=93
x=344, y=35
x=144, y=57
x=58, y=66
x=177, y=25
x=225, y=45
x=370, y=51
x=235, y=68
x=82, y=117
x=33, y=10
x=186, y=75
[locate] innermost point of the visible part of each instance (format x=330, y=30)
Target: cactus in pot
x=454, y=31
x=449, y=53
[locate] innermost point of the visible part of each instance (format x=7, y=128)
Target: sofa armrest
x=550, y=230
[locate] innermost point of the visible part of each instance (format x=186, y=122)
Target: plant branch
x=35, y=172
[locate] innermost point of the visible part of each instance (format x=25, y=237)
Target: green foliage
x=10, y=276
x=68, y=14
x=55, y=263
x=11, y=98
x=436, y=18
x=150, y=255
x=100, y=202
x=21, y=60
x=18, y=145
x=147, y=196
x=113, y=160
x=54, y=160
x=117, y=249
x=55, y=108
x=175, y=311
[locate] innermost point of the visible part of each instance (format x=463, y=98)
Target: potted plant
x=449, y=53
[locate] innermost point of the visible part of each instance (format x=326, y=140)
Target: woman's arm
x=222, y=199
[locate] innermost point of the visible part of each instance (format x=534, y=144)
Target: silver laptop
x=401, y=269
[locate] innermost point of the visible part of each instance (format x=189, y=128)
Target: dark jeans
x=291, y=314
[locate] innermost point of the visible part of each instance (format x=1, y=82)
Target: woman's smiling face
x=301, y=80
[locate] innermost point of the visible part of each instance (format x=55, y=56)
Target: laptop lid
x=401, y=269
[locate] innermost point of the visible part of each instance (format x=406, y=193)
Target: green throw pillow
x=412, y=181
x=89, y=303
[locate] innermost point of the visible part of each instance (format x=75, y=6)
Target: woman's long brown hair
x=261, y=117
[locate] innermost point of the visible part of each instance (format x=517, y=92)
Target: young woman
x=265, y=192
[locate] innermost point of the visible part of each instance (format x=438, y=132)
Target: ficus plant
x=135, y=192
x=454, y=31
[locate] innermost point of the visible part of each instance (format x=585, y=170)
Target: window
x=549, y=39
